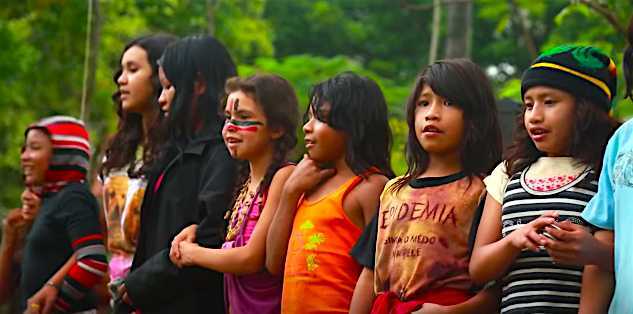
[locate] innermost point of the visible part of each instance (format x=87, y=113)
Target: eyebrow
x=426, y=94
x=129, y=62
x=239, y=111
x=542, y=95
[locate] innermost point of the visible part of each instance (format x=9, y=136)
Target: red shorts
x=389, y=303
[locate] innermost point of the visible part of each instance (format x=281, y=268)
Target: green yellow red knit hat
x=582, y=71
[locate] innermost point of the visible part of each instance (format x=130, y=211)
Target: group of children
x=205, y=212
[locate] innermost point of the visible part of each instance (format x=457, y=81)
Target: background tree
x=43, y=49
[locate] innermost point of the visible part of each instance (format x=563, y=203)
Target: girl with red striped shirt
x=56, y=156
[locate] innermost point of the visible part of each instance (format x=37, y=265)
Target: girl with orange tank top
x=331, y=195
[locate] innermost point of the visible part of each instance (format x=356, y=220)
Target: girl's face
x=323, y=143
x=246, y=133
x=548, y=119
x=135, y=81
x=439, y=125
x=35, y=157
x=167, y=94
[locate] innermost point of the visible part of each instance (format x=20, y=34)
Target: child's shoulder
x=624, y=132
x=370, y=186
x=282, y=174
x=373, y=182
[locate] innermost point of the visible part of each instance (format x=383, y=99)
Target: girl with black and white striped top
x=544, y=184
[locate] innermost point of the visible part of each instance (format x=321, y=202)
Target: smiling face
x=246, y=133
x=135, y=81
x=439, y=125
x=548, y=119
x=35, y=157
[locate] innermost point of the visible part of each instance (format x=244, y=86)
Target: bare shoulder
x=370, y=187
x=282, y=175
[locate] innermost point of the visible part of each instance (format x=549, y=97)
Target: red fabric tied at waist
x=390, y=303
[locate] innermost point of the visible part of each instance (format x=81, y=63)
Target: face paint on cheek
x=238, y=125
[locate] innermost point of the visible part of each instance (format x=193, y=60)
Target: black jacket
x=194, y=187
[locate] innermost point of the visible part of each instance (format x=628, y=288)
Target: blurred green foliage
x=42, y=50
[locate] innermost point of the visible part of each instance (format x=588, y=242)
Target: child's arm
x=246, y=259
x=363, y=297
x=8, y=249
x=305, y=177
x=486, y=301
x=367, y=195
x=47, y=295
x=493, y=254
x=597, y=282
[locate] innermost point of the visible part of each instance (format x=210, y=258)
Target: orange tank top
x=320, y=275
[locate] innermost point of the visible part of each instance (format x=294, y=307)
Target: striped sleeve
x=83, y=229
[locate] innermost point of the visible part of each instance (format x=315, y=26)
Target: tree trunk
x=211, y=5
x=520, y=19
x=459, y=28
x=435, y=30
x=93, y=36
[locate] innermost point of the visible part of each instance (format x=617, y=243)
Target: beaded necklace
x=240, y=209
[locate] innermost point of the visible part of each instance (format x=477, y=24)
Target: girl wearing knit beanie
x=540, y=190
x=56, y=157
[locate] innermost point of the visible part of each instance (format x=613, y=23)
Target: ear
x=277, y=133
x=199, y=86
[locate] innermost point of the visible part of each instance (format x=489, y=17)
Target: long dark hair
x=196, y=59
x=122, y=147
x=463, y=83
x=627, y=62
x=277, y=98
x=357, y=108
x=592, y=129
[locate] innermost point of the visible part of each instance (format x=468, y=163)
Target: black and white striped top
x=534, y=284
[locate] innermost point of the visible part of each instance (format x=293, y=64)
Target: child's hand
x=527, y=236
x=30, y=204
x=43, y=301
x=187, y=252
x=186, y=235
x=430, y=308
x=11, y=226
x=572, y=244
x=306, y=176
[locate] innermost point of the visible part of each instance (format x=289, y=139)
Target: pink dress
x=261, y=291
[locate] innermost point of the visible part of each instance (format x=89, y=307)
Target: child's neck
x=343, y=168
x=443, y=165
x=259, y=166
x=343, y=173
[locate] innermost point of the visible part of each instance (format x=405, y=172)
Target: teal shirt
x=612, y=209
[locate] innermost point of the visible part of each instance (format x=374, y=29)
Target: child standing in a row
x=190, y=183
x=550, y=173
x=331, y=195
x=610, y=208
x=421, y=233
x=262, y=113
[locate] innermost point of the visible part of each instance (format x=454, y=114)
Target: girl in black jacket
x=192, y=184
